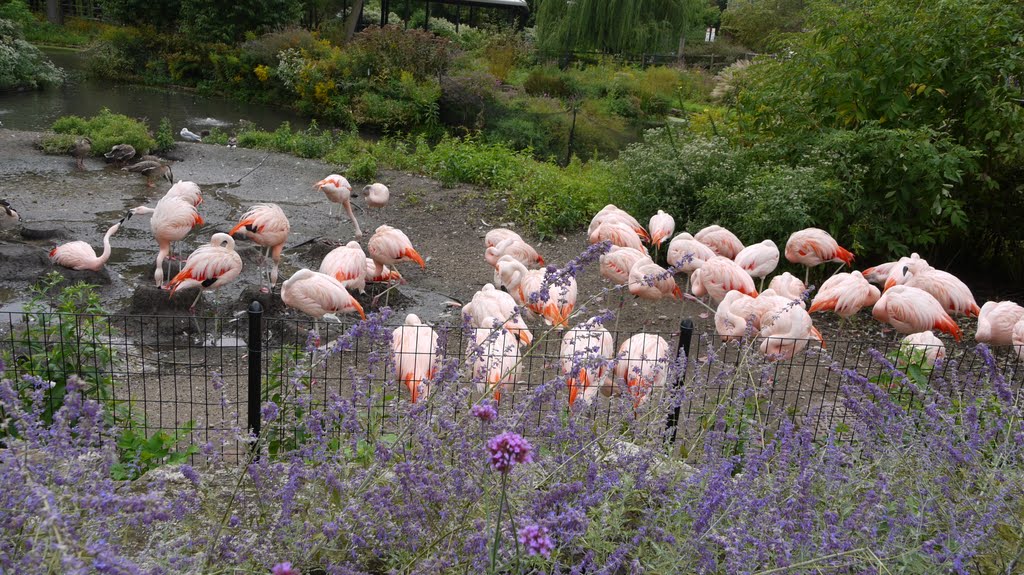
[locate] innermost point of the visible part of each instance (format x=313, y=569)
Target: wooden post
x=54, y=13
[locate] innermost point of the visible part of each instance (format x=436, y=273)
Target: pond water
x=83, y=96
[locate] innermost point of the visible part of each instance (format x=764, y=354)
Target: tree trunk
x=54, y=14
x=680, y=54
x=353, y=20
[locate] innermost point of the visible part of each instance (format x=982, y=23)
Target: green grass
x=105, y=129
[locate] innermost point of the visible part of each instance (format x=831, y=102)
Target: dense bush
x=22, y=65
x=107, y=130
x=548, y=82
x=465, y=97
x=385, y=53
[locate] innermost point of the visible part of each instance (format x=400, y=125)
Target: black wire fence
x=208, y=378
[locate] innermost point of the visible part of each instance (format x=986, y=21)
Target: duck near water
x=151, y=168
x=81, y=150
x=120, y=154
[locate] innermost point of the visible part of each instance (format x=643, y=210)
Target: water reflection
x=82, y=96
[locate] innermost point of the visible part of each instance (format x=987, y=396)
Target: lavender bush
x=458, y=484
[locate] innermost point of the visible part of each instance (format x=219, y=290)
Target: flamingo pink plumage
x=611, y=213
x=880, y=273
x=617, y=261
x=720, y=275
x=381, y=273
x=188, y=191
x=720, y=240
x=661, y=227
x=953, y=294
x=339, y=191
x=733, y=313
x=516, y=248
x=811, y=247
x=210, y=267
x=79, y=255
x=996, y=322
x=414, y=345
x=786, y=329
x=498, y=235
x=555, y=305
x=912, y=310
x=389, y=246
x=686, y=254
x=618, y=234
x=643, y=364
x=759, y=260
x=347, y=264
x=788, y=286
x=377, y=196
x=495, y=357
x=845, y=294
x=1017, y=339
x=267, y=226
x=648, y=280
x=317, y=295
x=488, y=304
x=925, y=343
x=586, y=351
x=172, y=220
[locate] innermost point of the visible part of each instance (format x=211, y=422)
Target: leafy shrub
x=400, y=105
x=728, y=82
x=164, y=136
x=384, y=53
x=106, y=130
x=504, y=51
x=57, y=144
x=362, y=169
x=557, y=199
x=264, y=50
x=458, y=160
x=465, y=97
x=548, y=82
x=22, y=65
x=217, y=21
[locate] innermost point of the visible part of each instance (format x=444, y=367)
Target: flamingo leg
x=760, y=286
x=807, y=275
x=192, y=307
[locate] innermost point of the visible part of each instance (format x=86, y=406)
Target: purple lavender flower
x=536, y=540
x=485, y=412
x=269, y=411
x=284, y=569
x=508, y=449
x=190, y=473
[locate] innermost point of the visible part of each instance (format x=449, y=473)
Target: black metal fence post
x=685, y=338
x=255, y=347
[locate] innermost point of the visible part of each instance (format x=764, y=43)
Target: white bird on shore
x=190, y=136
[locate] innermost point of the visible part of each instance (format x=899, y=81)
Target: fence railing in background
x=211, y=375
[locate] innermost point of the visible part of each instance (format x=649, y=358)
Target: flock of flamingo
x=915, y=298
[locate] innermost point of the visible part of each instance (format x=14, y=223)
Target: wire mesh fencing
x=208, y=377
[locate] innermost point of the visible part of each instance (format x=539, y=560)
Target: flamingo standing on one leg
x=953, y=294
x=488, y=304
x=733, y=313
x=649, y=281
x=377, y=195
x=414, y=346
x=661, y=227
x=339, y=191
x=811, y=247
x=759, y=260
x=686, y=254
x=720, y=275
x=912, y=310
x=553, y=302
x=390, y=246
x=317, y=295
x=642, y=363
x=845, y=294
x=79, y=255
x=611, y=213
x=586, y=351
x=789, y=286
x=347, y=264
x=786, y=328
x=495, y=358
x=210, y=267
x=172, y=220
x=267, y=226
x=720, y=240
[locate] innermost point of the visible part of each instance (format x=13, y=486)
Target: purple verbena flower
x=536, y=540
x=485, y=412
x=507, y=449
x=284, y=569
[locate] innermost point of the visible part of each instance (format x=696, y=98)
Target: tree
x=614, y=26
x=54, y=14
x=755, y=23
x=353, y=20
x=218, y=21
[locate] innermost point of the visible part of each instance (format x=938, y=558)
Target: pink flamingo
x=643, y=364
x=495, y=358
x=518, y=249
x=1017, y=339
x=912, y=310
x=996, y=322
x=786, y=329
x=720, y=275
x=788, y=286
x=586, y=351
x=377, y=196
x=720, y=240
x=498, y=235
x=845, y=294
x=414, y=346
x=649, y=281
x=733, y=313
x=616, y=263
x=953, y=294
x=880, y=273
x=339, y=191
x=811, y=247
x=210, y=267
x=925, y=343
x=316, y=295
x=79, y=255
x=188, y=191
x=172, y=220
x=267, y=226
x=381, y=274
x=661, y=227
x=347, y=264
x=759, y=260
x=390, y=246
x=611, y=213
x=618, y=234
x=491, y=303
x=686, y=254
x=523, y=284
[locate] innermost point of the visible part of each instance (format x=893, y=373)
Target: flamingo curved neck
x=106, y=243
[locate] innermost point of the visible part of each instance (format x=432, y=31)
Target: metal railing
x=214, y=373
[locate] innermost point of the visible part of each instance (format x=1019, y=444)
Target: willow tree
x=615, y=26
